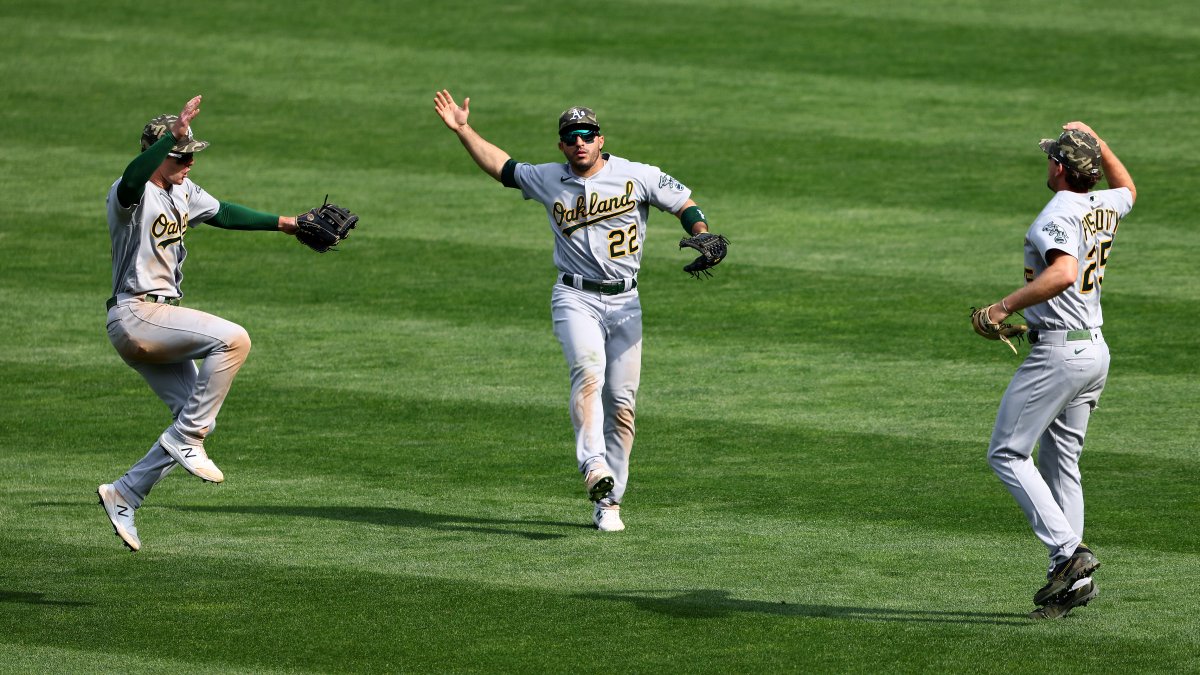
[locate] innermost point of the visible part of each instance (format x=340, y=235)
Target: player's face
x=1053, y=172
x=580, y=153
x=176, y=167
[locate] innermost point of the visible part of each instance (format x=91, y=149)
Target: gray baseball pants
x=1049, y=402
x=162, y=342
x=601, y=337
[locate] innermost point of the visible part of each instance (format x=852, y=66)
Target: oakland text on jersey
x=584, y=214
x=163, y=227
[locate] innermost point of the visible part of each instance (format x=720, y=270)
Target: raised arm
x=489, y=158
x=133, y=180
x=1114, y=171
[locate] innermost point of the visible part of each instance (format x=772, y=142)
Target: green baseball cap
x=160, y=125
x=578, y=116
x=1074, y=149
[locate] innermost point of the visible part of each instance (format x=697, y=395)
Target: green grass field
x=809, y=489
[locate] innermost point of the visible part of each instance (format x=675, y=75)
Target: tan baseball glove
x=996, y=331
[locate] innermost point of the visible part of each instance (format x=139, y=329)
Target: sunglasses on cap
x=181, y=157
x=587, y=135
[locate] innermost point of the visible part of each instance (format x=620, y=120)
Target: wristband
x=690, y=216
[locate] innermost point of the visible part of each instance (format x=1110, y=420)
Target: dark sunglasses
x=181, y=157
x=587, y=135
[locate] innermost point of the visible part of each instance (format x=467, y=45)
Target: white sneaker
x=120, y=514
x=599, y=483
x=192, y=458
x=608, y=518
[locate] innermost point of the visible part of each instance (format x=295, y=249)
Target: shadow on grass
x=26, y=598
x=715, y=604
x=393, y=517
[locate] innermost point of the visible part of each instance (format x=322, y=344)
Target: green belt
x=1072, y=335
x=149, y=297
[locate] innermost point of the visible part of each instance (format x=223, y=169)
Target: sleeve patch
x=669, y=183
x=1056, y=233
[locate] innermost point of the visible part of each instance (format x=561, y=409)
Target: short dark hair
x=1081, y=182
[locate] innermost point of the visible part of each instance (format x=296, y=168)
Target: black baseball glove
x=712, y=248
x=324, y=227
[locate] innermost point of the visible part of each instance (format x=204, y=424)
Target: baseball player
x=1055, y=390
x=150, y=209
x=597, y=205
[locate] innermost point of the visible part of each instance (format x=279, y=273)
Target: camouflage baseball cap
x=1075, y=149
x=160, y=125
x=578, y=116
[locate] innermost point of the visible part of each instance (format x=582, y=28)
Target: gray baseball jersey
x=147, y=238
x=599, y=222
x=1083, y=226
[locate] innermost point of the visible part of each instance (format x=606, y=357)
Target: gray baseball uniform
x=1053, y=393
x=599, y=224
x=160, y=340
x=150, y=211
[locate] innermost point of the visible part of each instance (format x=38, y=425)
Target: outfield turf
x=809, y=488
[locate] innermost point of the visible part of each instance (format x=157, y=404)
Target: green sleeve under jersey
x=238, y=217
x=133, y=181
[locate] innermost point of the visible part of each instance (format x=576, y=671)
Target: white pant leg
x=1058, y=462
x=1040, y=390
x=579, y=327
x=159, y=334
x=161, y=342
x=1061, y=446
x=623, y=352
x=173, y=382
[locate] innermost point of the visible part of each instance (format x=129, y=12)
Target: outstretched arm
x=1118, y=176
x=489, y=158
x=237, y=217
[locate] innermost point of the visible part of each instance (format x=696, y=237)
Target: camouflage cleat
x=1080, y=565
x=1062, y=604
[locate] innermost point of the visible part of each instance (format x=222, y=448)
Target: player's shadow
x=27, y=598
x=714, y=604
x=393, y=517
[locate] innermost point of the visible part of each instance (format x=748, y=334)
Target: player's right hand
x=189, y=112
x=454, y=116
x=1082, y=127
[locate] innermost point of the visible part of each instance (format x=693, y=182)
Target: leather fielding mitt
x=712, y=248
x=990, y=330
x=325, y=226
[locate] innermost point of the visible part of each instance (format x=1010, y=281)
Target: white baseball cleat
x=608, y=518
x=120, y=514
x=192, y=458
x=599, y=483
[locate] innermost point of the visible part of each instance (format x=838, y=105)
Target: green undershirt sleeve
x=237, y=217
x=133, y=181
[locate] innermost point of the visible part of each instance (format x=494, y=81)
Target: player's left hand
x=712, y=248
x=325, y=226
